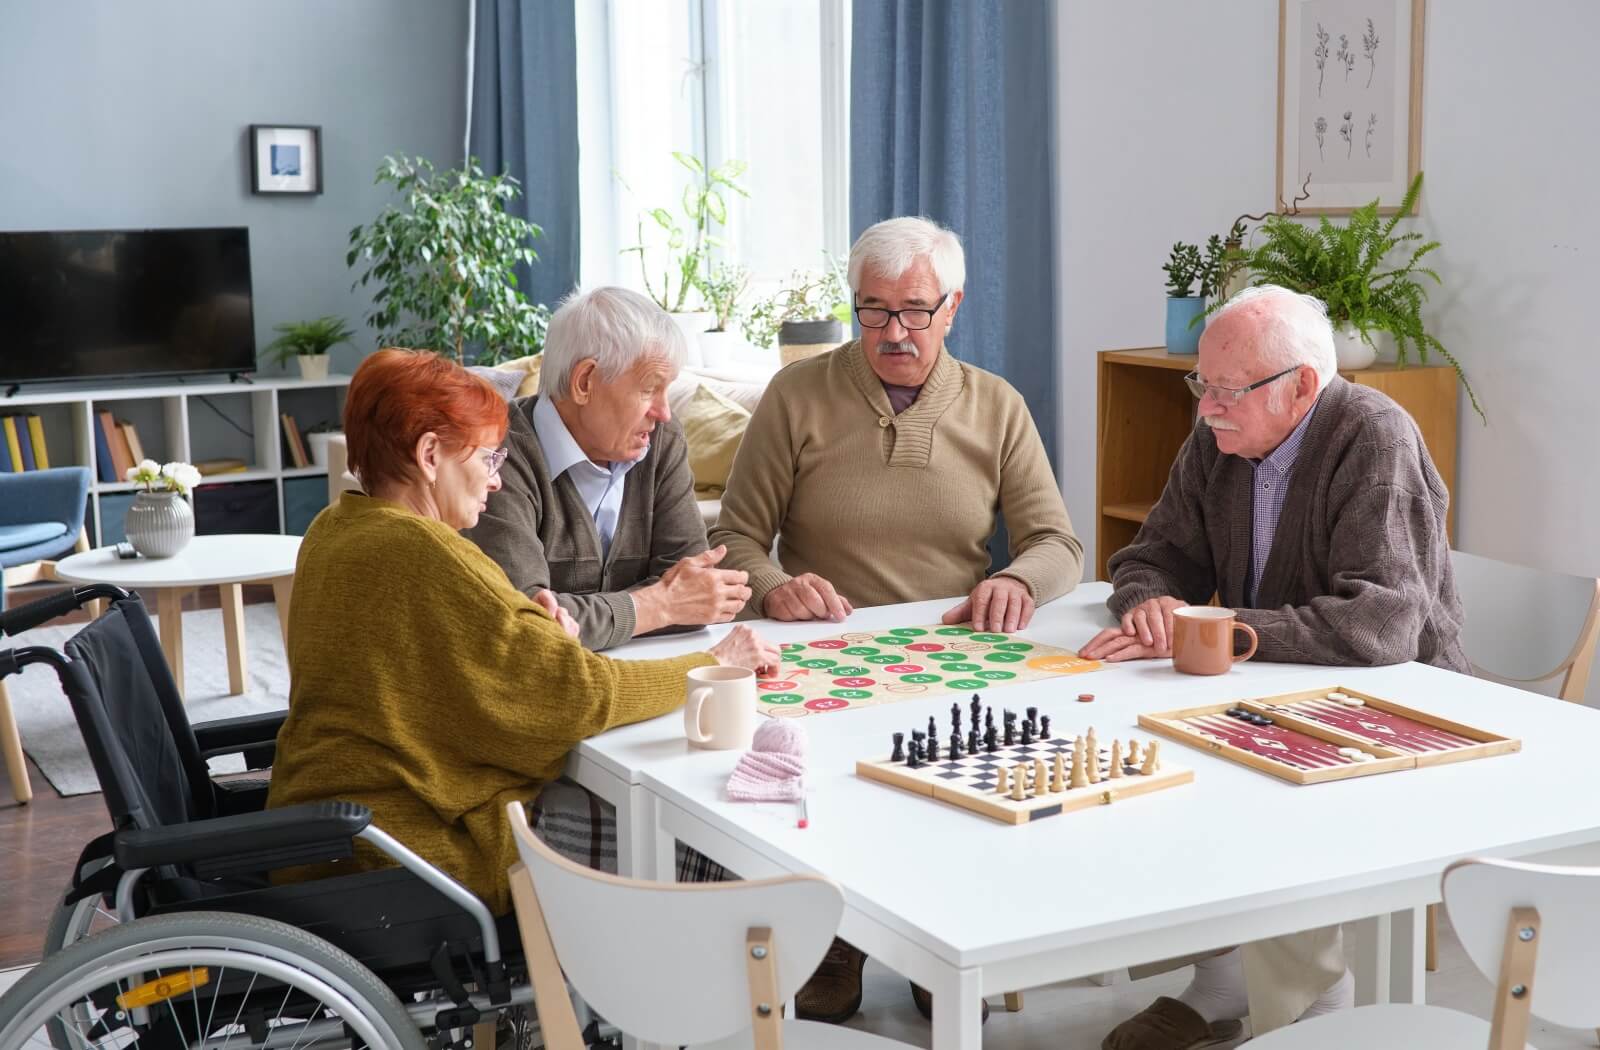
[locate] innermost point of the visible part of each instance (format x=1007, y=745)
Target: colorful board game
x=1326, y=734
x=865, y=668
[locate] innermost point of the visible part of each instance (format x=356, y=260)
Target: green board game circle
x=994, y=658
x=962, y=668
x=817, y=663
x=850, y=694
x=844, y=671
x=945, y=657
x=883, y=658
x=907, y=632
x=1014, y=647
x=919, y=679
x=996, y=676
x=792, y=647
x=889, y=639
x=990, y=637
x=858, y=650
x=950, y=632
x=966, y=683
x=781, y=698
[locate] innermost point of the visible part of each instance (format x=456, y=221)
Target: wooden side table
x=225, y=562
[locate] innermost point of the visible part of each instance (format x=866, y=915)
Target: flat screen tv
x=98, y=304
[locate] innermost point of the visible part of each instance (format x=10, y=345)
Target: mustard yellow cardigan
x=427, y=687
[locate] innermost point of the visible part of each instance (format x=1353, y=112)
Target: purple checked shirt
x=1269, y=486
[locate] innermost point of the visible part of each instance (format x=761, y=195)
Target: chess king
x=878, y=468
x=1311, y=507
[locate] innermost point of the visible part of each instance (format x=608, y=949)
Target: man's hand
x=1147, y=625
x=1113, y=646
x=698, y=593
x=561, y=616
x=807, y=597
x=1000, y=603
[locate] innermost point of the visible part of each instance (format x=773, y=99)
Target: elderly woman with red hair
x=422, y=683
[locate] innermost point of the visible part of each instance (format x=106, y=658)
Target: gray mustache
x=903, y=347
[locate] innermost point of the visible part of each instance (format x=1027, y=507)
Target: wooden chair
x=1508, y=916
x=1528, y=628
x=670, y=963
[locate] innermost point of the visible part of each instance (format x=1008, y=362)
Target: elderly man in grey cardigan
x=596, y=501
x=1310, y=506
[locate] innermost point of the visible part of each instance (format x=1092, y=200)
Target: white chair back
x=1528, y=627
x=1480, y=896
x=664, y=962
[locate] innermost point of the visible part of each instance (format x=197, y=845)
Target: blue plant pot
x=1181, y=338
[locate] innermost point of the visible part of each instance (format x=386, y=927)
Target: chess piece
x=1002, y=780
x=933, y=729
x=955, y=747
x=899, y=748
x=914, y=756
x=955, y=718
x=1058, y=781
x=972, y=740
x=1027, y=734
x=989, y=740
x=1132, y=758
x=1019, y=783
x=1079, y=778
x=1033, y=720
x=1039, y=782
x=1044, y=728
x=1010, y=722
x=1151, y=762
x=933, y=749
x=1116, y=759
x=977, y=709
x=1092, y=746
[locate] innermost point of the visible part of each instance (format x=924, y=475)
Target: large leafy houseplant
x=1348, y=267
x=683, y=247
x=445, y=262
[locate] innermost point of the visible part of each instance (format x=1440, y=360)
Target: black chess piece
x=1033, y=719
x=899, y=748
x=955, y=718
x=955, y=747
x=988, y=739
x=972, y=740
x=933, y=749
x=1044, y=728
x=914, y=758
x=933, y=729
x=988, y=718
x=1027, y=733
x=1010, y=721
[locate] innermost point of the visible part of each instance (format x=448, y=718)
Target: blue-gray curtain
x=950, y=118
x=525, y=121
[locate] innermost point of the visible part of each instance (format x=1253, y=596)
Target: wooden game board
x=970, y=781
x=1312, y=737
x=866, y=668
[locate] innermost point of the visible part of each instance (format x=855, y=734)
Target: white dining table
x=967, y=906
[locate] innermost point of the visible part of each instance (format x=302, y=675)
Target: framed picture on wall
x=285, y=158
x=1349, y=102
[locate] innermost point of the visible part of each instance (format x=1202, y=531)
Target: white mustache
x=1216, y=423
x=903, y=347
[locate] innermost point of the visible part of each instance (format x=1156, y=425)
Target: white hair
x=1292, y=329
x=616, y=327
x=890, y=247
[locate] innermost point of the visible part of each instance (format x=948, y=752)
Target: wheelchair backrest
x=133, y=722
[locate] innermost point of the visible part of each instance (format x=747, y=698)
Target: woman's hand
x=743, y=647
x=561, y=616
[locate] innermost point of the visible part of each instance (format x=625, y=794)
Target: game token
x=1085, y=698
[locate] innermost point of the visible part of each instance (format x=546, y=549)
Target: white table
x=969, y=907
x=223, y=561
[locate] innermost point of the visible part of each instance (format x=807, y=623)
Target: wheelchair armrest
x=240, y=796
x=225, y=736
x=248, y=842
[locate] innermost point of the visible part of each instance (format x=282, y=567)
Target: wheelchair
x=173, y=934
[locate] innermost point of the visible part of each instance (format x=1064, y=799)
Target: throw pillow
x=505, y=383
x=527, y=370
x=713, y=426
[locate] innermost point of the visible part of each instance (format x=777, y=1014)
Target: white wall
x=1167, y=130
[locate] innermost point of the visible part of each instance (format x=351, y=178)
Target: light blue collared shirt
x=599, y=487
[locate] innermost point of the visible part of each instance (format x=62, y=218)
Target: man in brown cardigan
x=1310, y=506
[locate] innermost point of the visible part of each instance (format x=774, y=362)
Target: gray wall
x=135, y=114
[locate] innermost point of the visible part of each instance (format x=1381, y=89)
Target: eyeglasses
x=493, y=457
x=913, y=319
x=1226, y=395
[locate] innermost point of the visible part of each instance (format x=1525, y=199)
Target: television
x=102, y=304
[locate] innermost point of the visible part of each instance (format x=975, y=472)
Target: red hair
x=396, y=396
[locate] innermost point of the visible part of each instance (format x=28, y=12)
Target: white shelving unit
x=164, y=415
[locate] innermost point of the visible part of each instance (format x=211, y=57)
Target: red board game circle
x=924, y=647
x=830, y=643
x=774, y=687
x=903, y=668
x=854, y=683
x=827, y=703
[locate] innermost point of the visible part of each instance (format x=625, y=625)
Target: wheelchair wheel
x=205, y=979
x=70, y=924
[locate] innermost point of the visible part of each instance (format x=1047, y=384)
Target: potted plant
x=1348, y=268
x=446, y=262
x=1185, y=310
x=159, y=522
x=308, y=342
x=722, y=290
x=806, y=316
x=682, y=249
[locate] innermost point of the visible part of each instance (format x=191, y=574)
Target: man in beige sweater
x=879, y=468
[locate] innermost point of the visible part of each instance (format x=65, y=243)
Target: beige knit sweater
x=893, y=508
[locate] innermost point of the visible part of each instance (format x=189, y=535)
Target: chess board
x=1318, y=735
x=971, y=781
x=866, y=668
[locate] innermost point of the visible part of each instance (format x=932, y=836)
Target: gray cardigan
x=1359, y=572
x=541, y=534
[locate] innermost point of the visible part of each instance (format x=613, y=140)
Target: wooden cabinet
x=1146, y=412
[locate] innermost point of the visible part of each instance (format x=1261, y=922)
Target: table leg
x=11, y=748
x=957, y=1010
x=233, y=634
x=1408, y=956
x=1370, y=956
x=282, y=591
x=169, y=615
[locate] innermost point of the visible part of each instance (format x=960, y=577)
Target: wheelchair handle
x=26, y=617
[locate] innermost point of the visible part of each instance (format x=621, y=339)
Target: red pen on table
x=804, y=821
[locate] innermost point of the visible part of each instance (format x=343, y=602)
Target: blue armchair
x=41, y=518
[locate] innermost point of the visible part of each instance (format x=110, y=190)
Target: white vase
x=692, y=325
x=718, y=348
x=313, y=366
x=159, y=524
x=1350, y=350
x=318, y=446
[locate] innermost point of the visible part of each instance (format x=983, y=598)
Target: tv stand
x=13, y=389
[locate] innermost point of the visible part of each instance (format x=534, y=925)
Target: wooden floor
x=40, y=841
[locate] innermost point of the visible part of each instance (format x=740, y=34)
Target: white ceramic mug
x=720, y=712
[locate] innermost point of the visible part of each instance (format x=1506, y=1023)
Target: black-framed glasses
x=493, y=458
x=1228, y=395
x=912, y=319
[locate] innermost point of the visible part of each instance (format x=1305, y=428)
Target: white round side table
x=225, y=562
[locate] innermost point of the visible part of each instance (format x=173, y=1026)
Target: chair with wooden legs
x=1509, y=916
x=674, y=963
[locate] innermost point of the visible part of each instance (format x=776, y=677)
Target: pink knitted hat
x=774, y=769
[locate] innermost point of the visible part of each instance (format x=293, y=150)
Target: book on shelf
x=208, y=467
x=41, y=454
x=12, y=449
x=18, y=425
x=297, y=448
x=130, y=434
x=121, y=458
x=104, y=468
